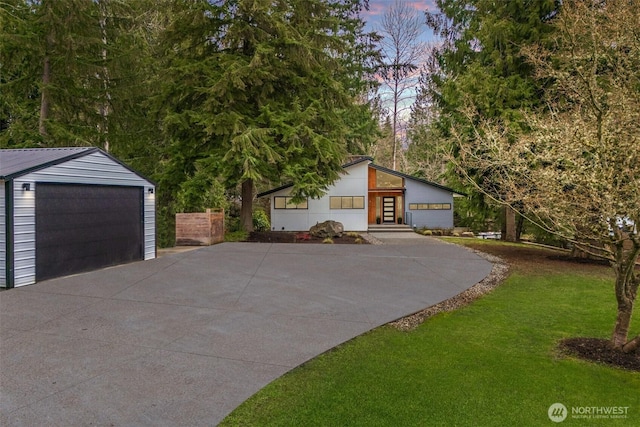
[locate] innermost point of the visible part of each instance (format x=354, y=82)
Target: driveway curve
x=185, y=338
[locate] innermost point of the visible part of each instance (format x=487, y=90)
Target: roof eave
x=44, y=165
x=285, y=186
x=414, y=178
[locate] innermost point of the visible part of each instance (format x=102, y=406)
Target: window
x=386, y=180
x=430, y=206
x=281, y=202
x=346, y=202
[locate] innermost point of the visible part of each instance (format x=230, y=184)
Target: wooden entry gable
x=377, y=193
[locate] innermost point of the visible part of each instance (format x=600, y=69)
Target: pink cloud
x=379, y=7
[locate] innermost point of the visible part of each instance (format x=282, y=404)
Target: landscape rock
x=467, y=234
x=327, y=229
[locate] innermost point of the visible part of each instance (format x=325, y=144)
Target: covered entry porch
x=386, y=197
x=386, y=207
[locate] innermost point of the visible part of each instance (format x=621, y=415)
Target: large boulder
x=327, y=229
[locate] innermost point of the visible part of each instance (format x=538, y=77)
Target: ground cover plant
x=496, y=361
x=301, y=237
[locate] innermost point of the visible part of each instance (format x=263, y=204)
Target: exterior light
x=150, y=190
x=26, y=187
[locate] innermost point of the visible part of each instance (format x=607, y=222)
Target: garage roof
x=18, y=162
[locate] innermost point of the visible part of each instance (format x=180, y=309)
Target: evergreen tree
x=72, y=72
x=19, y=63
x=261, y=91
x=480, y=63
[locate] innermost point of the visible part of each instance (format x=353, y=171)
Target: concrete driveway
x=185, y=338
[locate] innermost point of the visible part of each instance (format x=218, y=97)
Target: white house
x=366, y=194
x=68, y=210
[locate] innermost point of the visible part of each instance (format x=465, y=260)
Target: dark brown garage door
x=85, y=227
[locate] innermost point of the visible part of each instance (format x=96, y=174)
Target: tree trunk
x=519, y=227
x=623, y=321
x=627, y=282
x=44, y=99
x=632, y=345
x=395, y=117
x=104, y=108
x=509, y=233
x=246, y=211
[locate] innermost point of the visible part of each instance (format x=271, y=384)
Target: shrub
x=261, y=220
x=200, y=192
x=232, y=224
x=328, y=240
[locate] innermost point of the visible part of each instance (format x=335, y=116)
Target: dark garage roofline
x=17, y=162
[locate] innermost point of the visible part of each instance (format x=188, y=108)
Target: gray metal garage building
x=69, y=210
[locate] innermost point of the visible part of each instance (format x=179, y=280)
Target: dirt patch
x=569, y=258
x=600, y=351
x=538, y=260
x=301, y=237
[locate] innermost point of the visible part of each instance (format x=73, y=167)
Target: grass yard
x=492, y=363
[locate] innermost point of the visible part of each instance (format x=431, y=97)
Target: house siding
x=417, y=192
x=94, y=168
x=352, y=183
x=355, y=182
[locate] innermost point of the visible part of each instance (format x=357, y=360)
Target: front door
x=389, y=209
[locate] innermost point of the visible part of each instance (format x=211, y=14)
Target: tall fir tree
x=480, y=63
x=261, y=91
x=73, y=73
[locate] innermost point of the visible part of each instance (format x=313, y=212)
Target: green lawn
x=493, y=363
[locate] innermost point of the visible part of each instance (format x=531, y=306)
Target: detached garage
x=69, y=210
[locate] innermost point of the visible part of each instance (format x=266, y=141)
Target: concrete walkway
x=185, y=338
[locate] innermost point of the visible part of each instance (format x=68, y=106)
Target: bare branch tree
x=576, y=172
x=402, y=52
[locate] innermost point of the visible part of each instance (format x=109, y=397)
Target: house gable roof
x=354, y=161
x=414, y=178
x=18, y=162
x=360, y=159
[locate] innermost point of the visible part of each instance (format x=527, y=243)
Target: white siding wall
x=149, y=223
x=418, y=192
x=24, y=234
x=94, y=168
x=3, y=239
x=352, y=183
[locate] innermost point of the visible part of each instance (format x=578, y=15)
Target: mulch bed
x=298, y=237
x=577, y=260
x=599, y=350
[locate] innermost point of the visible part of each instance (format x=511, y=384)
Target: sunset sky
x=377, y=8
